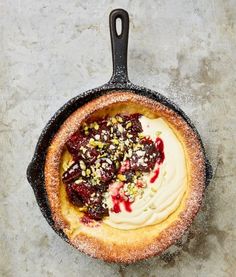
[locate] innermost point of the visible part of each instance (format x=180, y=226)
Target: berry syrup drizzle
x=160, y=147
x=117, y=201
x=118, y=198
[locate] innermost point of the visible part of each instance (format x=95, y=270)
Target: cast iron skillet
x=118, y=82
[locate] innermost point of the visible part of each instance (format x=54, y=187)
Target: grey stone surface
x=51, y=51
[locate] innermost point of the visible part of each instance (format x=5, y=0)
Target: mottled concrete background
x=53, y=50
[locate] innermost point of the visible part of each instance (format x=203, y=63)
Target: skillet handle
x=119, y=44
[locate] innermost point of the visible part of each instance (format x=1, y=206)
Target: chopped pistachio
x=135, y=190
x=127, y=143
x=91, y=140
x=88, y=171
x=153, y=189
x=122, y=146
x=66, y=164
x=152, y=206
x=96, y=126
x=113, y=120
x=119, y=118
x=141, y=135
x=83, y=149
x=98, y=173
x=82, y=165
x=120, y=128
x=109, y=161
x=100, y=144
x=121, y=177
x=138, y=145
x=115, y=141
x=158, y=133
x=128, y=125
x=117, y=164
x=130, y=152
x=96, y=143
x=98, y=165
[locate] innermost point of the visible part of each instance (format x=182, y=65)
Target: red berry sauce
x=118, y=200
x=160, y=147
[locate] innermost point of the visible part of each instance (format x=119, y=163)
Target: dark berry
x=72, y=173
x=97, y=211
x=102, y=187
x=151, y=153
x=125, y=166
x=84, y=190
x=136, y=126
x=146, y=161
x=74, y=197
x=74, y=143
x=90, y=155
x=107, y=170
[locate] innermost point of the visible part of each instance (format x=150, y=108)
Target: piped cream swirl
x=162, y=197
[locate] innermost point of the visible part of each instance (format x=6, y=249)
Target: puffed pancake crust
x=101, y=240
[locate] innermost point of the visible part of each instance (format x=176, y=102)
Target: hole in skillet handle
x=119, y=45
x=118, y=27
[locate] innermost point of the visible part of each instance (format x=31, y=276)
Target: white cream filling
x=162, y=197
